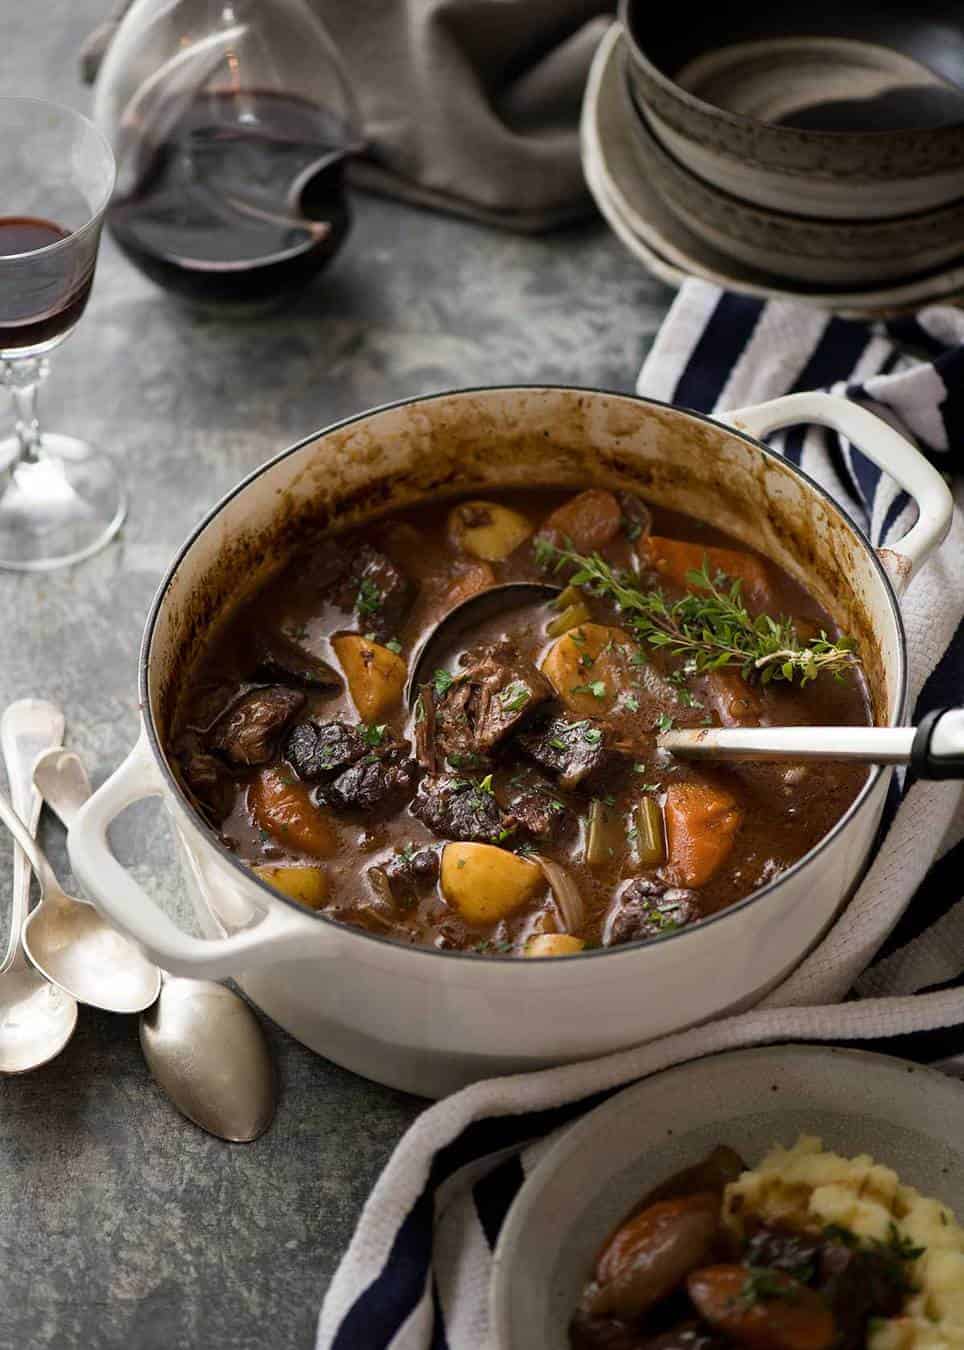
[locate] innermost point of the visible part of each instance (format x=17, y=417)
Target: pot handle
x=277, y=932
x=890, y=451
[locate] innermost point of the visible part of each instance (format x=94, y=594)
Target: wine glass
x=59, y=500
x=231, y=122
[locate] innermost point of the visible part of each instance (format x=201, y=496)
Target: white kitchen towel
x=416, y=1274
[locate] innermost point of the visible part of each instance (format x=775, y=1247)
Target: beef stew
x=520, y=807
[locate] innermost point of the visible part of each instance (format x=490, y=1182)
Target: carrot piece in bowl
x=701, y=826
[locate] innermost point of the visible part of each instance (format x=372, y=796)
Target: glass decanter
x=231, y=122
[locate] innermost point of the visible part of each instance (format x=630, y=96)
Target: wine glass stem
x=23, y=376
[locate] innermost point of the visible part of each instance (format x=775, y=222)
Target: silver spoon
x=465, y=617
x=935, y=749
x=36, y=1019
x=203, y=1045
x=66, y=939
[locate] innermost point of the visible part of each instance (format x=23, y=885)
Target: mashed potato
x=806, y=1187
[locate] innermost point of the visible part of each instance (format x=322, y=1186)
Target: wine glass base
x=59, y=508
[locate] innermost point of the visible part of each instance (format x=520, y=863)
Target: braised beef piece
x=783, y=1249
x=577, y=751
x=532, y=801
x=458, y=808
x=426, y=746
x=496, y=692
x=858, y=1284
x=287, y=662
x=404, y=875
x=207, y=778
x=317, y=750
x=637, y=519
x=383, y=776
x=647, y=908
x=248, y=733
x=377, y=592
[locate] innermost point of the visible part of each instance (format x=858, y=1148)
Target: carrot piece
x=783, y=1315
x=701, y=825
x=674, y=558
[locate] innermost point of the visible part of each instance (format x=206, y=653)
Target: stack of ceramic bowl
x=788, y=149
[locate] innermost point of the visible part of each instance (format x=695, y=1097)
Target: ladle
x=467, y=616
x=935, y=749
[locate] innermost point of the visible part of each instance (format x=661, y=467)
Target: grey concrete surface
x=121, y=1225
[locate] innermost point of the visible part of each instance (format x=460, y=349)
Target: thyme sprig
x=711, y=627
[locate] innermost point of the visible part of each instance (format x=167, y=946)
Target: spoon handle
x=28, y=728
x=870, y=745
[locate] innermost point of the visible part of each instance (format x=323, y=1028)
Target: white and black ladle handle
x=934, y=750
x=938, y=748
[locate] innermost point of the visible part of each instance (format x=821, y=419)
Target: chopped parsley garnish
x=394, y=645
x=631, y=702
x=762, y=1284
x=486, y=785
x=443, y=681
x=592, y=735
x=902, y=1246
x=370, y=598
x=545, y=552
x=514, y=696
x=596, y=687
x=468, y=760
x=577, y=636
x=557, y=744
x=374, y=735
x=664, y=722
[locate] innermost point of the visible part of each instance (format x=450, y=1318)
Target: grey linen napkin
x=470, y=106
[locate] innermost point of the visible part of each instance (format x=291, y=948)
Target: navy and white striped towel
x=416, y=1274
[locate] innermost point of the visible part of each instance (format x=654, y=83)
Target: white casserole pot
x=429, y=1021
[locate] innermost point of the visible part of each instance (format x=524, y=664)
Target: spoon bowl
x=203, y=1045
x=466, y=616
x=73, y=947
x=36, y=1019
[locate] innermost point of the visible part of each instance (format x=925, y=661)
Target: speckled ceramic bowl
x=744, y=100
x=801, y=248
x=906, y=1116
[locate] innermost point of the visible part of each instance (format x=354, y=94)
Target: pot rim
x=906, y=135
x=211, y=837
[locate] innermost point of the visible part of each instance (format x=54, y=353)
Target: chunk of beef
x=248, y=733
x=456, y=808
x=784, y=1249
x=284, y=661
x=533, y=803
x=374, y=781
x=498, y=690
x=576, y=751
x=648, y=908
x=858, y=1284
x=426, y=748
x=400, y=879
x=208, y=780
x=637, y=519
x=317, y=750
x=377, y=592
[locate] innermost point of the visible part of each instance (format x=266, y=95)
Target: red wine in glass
x=243, y=201
x=45, y=301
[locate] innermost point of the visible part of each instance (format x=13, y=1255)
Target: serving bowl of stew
x=401, y=691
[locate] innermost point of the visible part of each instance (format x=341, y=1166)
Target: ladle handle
x=938, y=750
x=28, y=728
x=276, y=931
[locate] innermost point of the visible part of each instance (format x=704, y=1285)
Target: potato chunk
x=553, y=944
x=307, y=885
x=485, y=883
x=588, y=668
x=486, y=530
x=701, y=825
x=284, y=808
x=376, y=676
